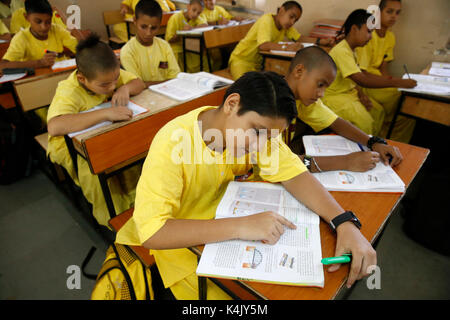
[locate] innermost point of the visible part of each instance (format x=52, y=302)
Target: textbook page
x=64, y=64
x=330, y=145
x=195, y=31
x=190, y=85
x=293, y=260
x=380, y=179
x=131, y=105
x=440, y=69
x=12, y=77
x=429, y=84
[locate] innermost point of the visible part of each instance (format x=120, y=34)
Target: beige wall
x=423, y=27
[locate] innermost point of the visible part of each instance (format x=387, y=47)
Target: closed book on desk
x=293, y=260
x=187, y=86
x=380, y=179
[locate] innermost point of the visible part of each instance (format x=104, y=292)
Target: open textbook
x=64, y=65
x=131, y=105
x=429, y=84
x=382, y=178
x=293, y=260
x=440, y=69
x=283, y=52
x=199, y=31
x=190, y=85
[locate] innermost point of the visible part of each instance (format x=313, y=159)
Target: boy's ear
x=232, y=103
x=81, y=78
x=299, y=70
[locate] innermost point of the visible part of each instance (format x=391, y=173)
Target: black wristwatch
x=307, y=162
x=344, y=217
x=373, y=140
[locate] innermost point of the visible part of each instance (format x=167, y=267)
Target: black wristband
x=373, y=140
x=307, y=162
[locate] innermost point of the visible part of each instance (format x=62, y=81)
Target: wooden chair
x=110, y=18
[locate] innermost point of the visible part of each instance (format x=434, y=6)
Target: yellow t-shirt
x=317, y=115
x=176, y=22
x=70, y=98
x=3, y=28
x=132, y=4
x=264, y=30
x=18, y=21
x=170, y=188
x=375, y=52
x=216, y=14
x=166, y=5
x=346, y=64
x=25, y=47
x=154, y=63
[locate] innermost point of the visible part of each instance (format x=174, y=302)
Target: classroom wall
x=423, y=27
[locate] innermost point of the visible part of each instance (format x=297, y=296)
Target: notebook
x=440, y=69
x=64, y=65
x=429, y=84
x=187, y=86
x=131, y=105
x=293, y=260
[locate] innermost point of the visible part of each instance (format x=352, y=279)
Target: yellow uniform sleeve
x=16, y=49
x=264, y=30
x=317, y=115
x=69, y=41
x=224, y=13
x=345, y=62
x=173, y=24
x=292, y=34
x=17, y=20
x=3, y=28
x=127, y=60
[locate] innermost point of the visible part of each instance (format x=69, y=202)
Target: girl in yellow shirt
x=265, y=35
x=187, y=171
x=344, y=96
x=374, y=58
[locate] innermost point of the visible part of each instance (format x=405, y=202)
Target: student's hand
x=362, y=161
x=329, y=42
x=365, y=100
x=123, y=11
x=266, y=226
x=223, y=21
x=121, y=97
x=187, y=27
x=47, y=60
x=386, y=152
x=294, y=46
x=351, y=240
x=407, y=83
x=118, y=114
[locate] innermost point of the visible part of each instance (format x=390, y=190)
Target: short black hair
x=200, y=2
x=383, y=3
x=149, y=8
x=292, y=4
x=312, y=57
x=38, y=6
x=95, y=56
x=266, y=93
x=358, y=18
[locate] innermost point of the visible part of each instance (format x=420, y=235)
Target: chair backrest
x=112, y=17
x=226, y=36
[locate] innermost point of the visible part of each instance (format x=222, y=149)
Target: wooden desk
x=373, y=209
x=428, y=107
x=216, y=38
x=118, y=146
x=3, y=48
x=280, y=62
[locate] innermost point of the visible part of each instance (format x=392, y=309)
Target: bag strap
x=125, y=273
x=147, y=290
x=86, y=261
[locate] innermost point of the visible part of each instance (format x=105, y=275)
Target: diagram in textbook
x=346, y=178
x=252, y=258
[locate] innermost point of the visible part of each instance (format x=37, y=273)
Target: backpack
x=15, y=147
x=123, y=277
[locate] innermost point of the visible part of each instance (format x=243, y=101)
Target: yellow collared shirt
x=376, y=51
x=18, y=21
x=216, y=14
x=177, y=22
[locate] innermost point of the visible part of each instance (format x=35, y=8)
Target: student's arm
x=384, y=69
x=47, y=61
x=122, y=95
x=349, y=238
x=368, y=80
x=124, y=9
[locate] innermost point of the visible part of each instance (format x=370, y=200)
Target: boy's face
x=209, y=4
x=362, y=35
x=147, y=28
x=287, y=18
x=250, y=131
x=103, y=83
x=194, y=10
x=40, y=24
x=390, y=13
x=309, y=86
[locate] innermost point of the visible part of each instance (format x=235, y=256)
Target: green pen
x=345, y=258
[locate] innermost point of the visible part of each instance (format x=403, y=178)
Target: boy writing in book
x=186, y=20
x=98, y=78
x=311, y=71
x=344, y=96
x=374, y=58
x=19, y=19
x=215, y=14
x=177, y=195
x=127, y=9
x=147, y=56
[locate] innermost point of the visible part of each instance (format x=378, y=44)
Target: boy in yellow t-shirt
x=374, y=58
x=265, y=35
x=344, y=96
x=312, y=70
x=186, y=20
x=127, y=9
x=20, y=22
x=192, y=159
x=98, y=77
x=147, y=56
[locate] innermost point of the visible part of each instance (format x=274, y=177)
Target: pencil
x=406, y=70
